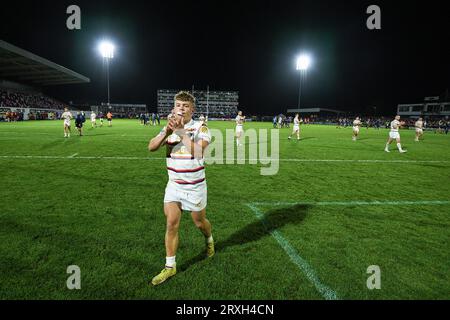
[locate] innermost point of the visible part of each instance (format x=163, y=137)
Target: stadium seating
x=10, y=99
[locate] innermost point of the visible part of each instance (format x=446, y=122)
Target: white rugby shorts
x=394, y=135
x=191, y=197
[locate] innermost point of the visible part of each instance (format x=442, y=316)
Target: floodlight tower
x=106, y=50
x=303, y=63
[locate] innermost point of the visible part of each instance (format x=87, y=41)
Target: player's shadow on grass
x=272, y=220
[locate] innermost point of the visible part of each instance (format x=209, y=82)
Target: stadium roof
x=25, y=67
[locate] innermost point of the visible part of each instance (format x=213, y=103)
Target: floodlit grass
x=105, y=216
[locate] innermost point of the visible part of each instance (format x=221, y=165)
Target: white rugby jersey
x=296, y=121
x=93, y=116
x=419, y=124
x=66, y=116
x=356, y=123
x=394, y=125
x=239, y=120
x=182, y=167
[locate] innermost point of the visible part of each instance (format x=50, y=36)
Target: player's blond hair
x=185, y=97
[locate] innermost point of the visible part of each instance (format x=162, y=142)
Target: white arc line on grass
x=303, y=265
x=281, y=160
x=73, y=156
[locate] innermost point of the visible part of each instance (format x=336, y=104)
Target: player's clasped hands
x=176, y=122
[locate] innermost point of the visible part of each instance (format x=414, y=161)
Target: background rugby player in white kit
x=419, y=129
x=67, y=116
x=296, y=127
x=93, y=119
x=356, y=126
x=395, y=135
x=239, y=128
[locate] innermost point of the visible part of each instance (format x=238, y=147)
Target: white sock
x=210, y=239
x=170, y=262
x=387, y=146
x=237, y=141
x=399, y=146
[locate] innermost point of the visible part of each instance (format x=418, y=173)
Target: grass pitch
x=310, y=231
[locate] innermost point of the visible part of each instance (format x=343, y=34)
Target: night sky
x=248, y=46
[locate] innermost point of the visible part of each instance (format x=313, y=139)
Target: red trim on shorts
x=190, y=182
x=185, y=170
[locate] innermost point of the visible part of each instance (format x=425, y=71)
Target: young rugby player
x=93, y=119
x=100, y=116
x=202, y=119
x=395, y=135
x=296, y=127
x=185, y=141
x=419, y=129
x=356, y=126
x=67, y=116
x=239, y=128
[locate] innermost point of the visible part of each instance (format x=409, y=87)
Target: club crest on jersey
x=173, y=139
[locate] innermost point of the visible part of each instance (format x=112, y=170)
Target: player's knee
x=199, y=223
x=172, y=225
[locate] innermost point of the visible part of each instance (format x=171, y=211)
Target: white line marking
x=72, y=156
x=303, y=265
x=266, y=160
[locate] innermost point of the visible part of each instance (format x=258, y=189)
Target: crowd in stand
x=26, y=100
x=13, y=104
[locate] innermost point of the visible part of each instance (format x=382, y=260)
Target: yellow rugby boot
x=165, y=274
x=210, y=249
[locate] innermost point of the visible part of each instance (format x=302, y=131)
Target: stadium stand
x=10, y=99
x=23, y=78
x=214, y=104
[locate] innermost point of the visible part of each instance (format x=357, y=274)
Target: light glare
x=106, y=49
x=303, y=62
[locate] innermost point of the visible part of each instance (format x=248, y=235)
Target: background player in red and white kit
x=93, y=119
x=356, y=126
x=202, y=119
x=67, y=116
x=296, y=127
x=185, y=141
x=239, y=128
x=419, y=129
x=395, y=135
